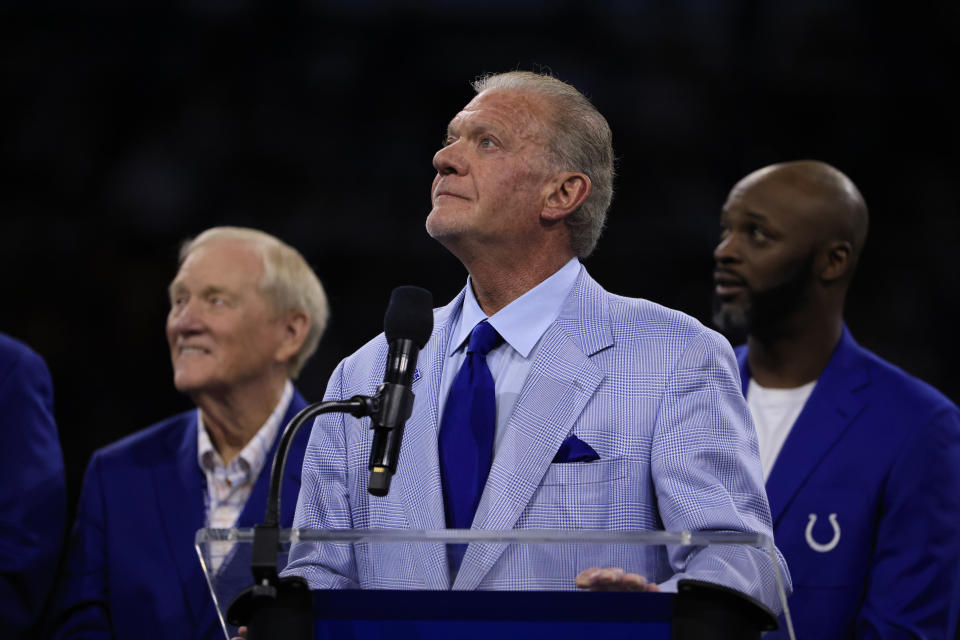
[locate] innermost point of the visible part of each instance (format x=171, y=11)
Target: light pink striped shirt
x=229, y=486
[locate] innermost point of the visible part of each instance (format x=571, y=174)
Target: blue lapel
x=179, y=485
x=179, y=488
x=255, y=508
x=835, y=402
x=744, y=369
x=561, y=382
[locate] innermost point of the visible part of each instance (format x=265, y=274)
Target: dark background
x=123, y=132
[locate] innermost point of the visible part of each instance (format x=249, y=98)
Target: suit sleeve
x=32, y=494
x=324, y=502
x=914, y=583
x=706, y=469
x=82, y=608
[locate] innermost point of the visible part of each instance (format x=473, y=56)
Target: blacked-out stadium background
x=125, y=130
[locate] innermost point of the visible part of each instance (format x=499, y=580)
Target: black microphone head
x=409, y=315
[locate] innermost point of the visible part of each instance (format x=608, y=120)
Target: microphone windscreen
x=409, y=315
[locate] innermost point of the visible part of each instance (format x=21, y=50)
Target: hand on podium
x=613, y=579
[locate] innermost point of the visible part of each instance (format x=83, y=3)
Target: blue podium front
x=490, y=615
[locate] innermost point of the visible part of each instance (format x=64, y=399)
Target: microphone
x=407, y=325
x=275, y=607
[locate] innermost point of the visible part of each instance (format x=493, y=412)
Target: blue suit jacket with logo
x=873, y=462
x=132, y=571
x=33, y=496
x=653, y=391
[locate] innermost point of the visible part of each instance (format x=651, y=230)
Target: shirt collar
x=524, y=321
x=253, y=455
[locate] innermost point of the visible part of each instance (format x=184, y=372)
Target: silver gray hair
x=288, y=283
x=580, y=140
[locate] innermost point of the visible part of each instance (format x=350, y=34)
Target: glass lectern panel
x=516, y=560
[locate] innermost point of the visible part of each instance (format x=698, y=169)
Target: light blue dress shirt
x=521, y=324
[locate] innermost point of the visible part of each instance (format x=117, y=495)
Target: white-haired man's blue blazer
x=653, y=391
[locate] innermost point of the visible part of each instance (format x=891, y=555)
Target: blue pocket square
x=574, y=449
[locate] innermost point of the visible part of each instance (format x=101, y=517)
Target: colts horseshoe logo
x=816, y=546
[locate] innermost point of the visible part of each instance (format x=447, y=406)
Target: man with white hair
x=542, y=400
x=246, y=313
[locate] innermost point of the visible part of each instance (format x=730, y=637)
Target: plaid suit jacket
x=653, y=391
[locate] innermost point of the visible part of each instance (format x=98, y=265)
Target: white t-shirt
x=774, y=412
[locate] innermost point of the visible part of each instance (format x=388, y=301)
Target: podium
x=542, y=601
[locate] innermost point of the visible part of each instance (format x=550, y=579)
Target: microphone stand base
x=274, y=612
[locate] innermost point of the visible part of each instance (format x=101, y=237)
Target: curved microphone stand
x=274, y=607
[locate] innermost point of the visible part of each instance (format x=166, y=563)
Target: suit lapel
x=560, y=383
x=744, y=365
x=236, y=569
x=256, y=505
x=179, y=486
x=831, y=408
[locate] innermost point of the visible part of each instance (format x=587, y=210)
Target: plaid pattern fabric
x=229, y=486
x=654, y=392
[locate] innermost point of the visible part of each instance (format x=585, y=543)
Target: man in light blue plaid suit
x=522, y=188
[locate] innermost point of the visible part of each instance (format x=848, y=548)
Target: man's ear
x=295, y=326
x=838, y=261
x=565, y=193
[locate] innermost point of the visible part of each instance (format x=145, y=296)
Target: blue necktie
x=466, y=435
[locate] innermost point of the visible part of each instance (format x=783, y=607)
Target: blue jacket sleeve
x=912, y=590
x=82, y=608
x=33, y=492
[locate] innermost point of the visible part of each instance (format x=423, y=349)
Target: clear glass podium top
x=550, y=560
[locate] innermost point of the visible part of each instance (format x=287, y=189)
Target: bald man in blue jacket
x=861, y=460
